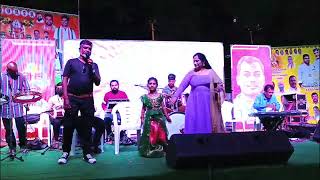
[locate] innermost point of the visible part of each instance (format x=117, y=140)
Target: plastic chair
x=226, y=110
x=130, y=120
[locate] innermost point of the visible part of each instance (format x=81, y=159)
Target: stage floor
x=303, y=164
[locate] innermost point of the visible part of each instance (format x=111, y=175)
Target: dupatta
x=216, y=99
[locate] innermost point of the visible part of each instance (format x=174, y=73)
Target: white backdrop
x=133, y=62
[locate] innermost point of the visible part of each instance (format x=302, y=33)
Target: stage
x=303, y=164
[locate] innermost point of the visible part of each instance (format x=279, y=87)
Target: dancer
x=153, y=118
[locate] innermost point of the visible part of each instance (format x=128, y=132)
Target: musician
x=114, y=94
x=266, y=101
x=78, y=78
x=169, y=90
x=13, y=82
x=55, y=104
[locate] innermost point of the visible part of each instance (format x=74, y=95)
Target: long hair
x=203, y=59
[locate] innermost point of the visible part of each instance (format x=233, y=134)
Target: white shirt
x=307, y=75
x=55, y=103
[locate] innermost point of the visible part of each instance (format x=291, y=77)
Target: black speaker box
x=228, y=149
x=316, y=135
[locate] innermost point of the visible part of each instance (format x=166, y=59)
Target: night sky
x=273, y=22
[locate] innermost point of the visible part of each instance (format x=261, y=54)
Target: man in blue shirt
x=266, y=100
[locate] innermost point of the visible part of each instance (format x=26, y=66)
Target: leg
x=56, y=123
x=84, y=124
x=10, y=138
x=98, y=125
x=21, y=127
x=108, y=123
x=68, y=128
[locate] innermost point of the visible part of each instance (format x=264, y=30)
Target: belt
x=82, y=96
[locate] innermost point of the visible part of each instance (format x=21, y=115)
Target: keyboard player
x=266, y=102
x=111, y=98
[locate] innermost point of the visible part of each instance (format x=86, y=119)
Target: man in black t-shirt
x=79, y=75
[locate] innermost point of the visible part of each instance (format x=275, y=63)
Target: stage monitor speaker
x=316, y=134
x=228, y=149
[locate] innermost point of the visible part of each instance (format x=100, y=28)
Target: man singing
x=78, y=78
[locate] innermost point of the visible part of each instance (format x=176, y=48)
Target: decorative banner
x=133, y=62
x=251, y=71
x=24, y=23
x=35, y=59
x=300, y=64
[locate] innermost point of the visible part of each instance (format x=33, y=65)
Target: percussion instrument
x=27, y=97
x=177, y=124
x=32, y=118
x=3, y=99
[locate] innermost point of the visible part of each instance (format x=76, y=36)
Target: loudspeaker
x=316, y=135
x=228, y=149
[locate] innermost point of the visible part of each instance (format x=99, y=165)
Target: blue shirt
x=260, y=103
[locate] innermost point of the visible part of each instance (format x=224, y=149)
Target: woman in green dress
x=153, y=117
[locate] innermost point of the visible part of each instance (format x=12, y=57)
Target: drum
x=27, y=97
x=3, y=99
x=32, y=118
x=177, y=124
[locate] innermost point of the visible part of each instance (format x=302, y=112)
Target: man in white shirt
x=293, y=85
x=61, y=34
x=306, y=73
x=55, y=104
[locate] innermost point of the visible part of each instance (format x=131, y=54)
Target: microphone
x=87, y=56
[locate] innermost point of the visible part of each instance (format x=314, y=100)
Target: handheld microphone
x=87, y=55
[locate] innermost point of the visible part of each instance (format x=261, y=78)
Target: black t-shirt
x=80, y=76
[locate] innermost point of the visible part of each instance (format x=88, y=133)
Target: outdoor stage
x=303, y=164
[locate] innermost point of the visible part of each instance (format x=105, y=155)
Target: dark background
x=272, y=22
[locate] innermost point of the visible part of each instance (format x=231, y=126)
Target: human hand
x=169, y=119
x=66, y=104
x=173, y=100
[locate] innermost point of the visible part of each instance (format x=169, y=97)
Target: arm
x=275, y=102
x=143, y=110
x=105, y=102
x=95, y=74
x=165, y=112
x=258, y=104
x=65, y=92
x=184, y=84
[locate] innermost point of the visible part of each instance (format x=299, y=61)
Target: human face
x=251, y=79
x=315, y=98
x=268, y=94
x=64, y=22
x=114, y=87
x=152, y=85
x=85, y=49
x=36, y=34
x=293, y=82
x=290, y=60
x=316, y=53
x=171, y=83
x=306, y=60
x=48, y=20
x=198, y=64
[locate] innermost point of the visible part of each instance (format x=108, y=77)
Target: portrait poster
x=25, y=23
x=295, y=69
x=251, y=71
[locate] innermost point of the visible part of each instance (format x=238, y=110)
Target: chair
x=130, y=120
x=226, y=111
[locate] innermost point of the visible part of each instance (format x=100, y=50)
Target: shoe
x=55, y=144
x=64, y=158
x=96, y=150
x=89, y=159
